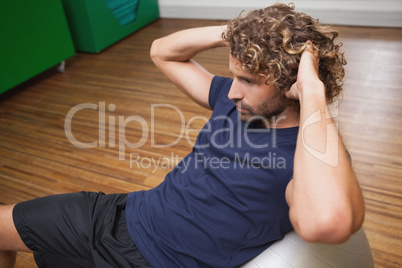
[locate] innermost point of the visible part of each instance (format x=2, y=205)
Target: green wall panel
x=34, y=37
x=94, y=26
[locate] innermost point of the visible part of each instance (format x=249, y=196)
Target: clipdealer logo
x=328, y=155
x=148, y=130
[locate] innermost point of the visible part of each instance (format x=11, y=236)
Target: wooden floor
x=38, y=156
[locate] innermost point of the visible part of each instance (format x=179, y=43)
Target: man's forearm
x=327, y=205
x=185, y=44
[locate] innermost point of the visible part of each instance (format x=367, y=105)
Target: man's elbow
x=330, y=228
x=154, y=51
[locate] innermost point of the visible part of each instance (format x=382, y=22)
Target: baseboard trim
x=354, y=13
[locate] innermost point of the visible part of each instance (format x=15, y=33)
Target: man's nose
x=235, y=93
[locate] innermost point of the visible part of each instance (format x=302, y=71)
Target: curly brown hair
x=270, y=41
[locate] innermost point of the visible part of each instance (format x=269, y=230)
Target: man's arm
x=325, y=200
x=173, y=56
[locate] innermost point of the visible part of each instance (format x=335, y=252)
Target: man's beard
x=266, y=112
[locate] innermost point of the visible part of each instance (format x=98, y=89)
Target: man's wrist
x=313, y=91
x=220, y=30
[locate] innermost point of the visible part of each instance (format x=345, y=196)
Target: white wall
x=386, y=13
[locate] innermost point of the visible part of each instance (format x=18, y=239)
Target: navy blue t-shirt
x=224, y=203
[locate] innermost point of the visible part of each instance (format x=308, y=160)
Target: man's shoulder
x=219, y=90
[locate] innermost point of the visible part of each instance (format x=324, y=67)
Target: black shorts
x=84, y=229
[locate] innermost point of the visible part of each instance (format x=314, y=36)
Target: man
x=270, y=159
